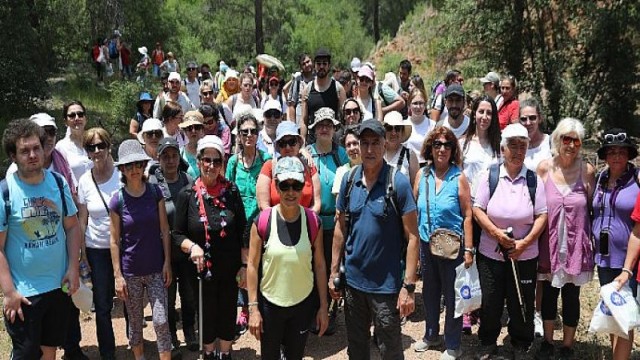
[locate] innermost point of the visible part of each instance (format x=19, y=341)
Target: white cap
x=149, y=125
x=43, y=119
x=272, y=104
x=210, y=141
x=513, y=131
x=174, y=76
x=355, y=64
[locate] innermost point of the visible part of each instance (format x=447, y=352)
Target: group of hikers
x=268, y=203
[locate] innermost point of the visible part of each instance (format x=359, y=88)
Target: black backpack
x=7, y=200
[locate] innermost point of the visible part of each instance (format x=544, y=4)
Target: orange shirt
x=307, y=192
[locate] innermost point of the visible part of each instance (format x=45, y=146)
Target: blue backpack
x=113, y=49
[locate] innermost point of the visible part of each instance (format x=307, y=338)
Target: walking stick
x=200, y=347
x=516, y=278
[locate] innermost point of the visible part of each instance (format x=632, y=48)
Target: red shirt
x=635, y=216
x=125, y=56
x=508, y=113
x=307, y=192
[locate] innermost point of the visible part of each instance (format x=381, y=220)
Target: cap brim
x=299, y=177
x=132, y=158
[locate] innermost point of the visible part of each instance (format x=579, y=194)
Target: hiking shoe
x=242, y=322
x=211, y=356
x=176, y=354
x=422, y=346
x=75, y=355
x=451, y=354
x=466, y=323
x=226, y=356
x=537, y=324
x=191, y=339
x=486, y=352
x=545, y=352
x=565, y=353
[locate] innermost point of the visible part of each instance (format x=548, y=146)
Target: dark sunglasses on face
x=396, y=128
x=364, y=79
x=530, y=118
x=288, y=185
x=216, y=162
x=273, y=84
x=246, y=132
x=73, y=115
x=272, y=114
x=566, y=140
x=439, y=144
x=175, y=81
x=619, y=137
x=282, y=143
x=191, y=128
x=50, y=130
x=154, y=133
x=192, y=69
x=207, y=93
x=353, y=111
x=92, y=147
x=136, y=164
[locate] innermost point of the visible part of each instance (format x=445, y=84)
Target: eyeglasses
x=92, y=147
x=353, y=111
x=619, y=137
x=73, y=115
x=364, y=79
x=566, y=140
x=216, y=162
x=192, y=69
x=207, y=93
x=247, y=132
x=439, y=144
x=272, y=114
x=288, y=185
x=530, y=118
x=154, y=133
x=191, y=128
x=282, y=143
x=396, y=128
x=50, y=130
x=136, y=164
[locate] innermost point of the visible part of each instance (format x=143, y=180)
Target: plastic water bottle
x=85, y=275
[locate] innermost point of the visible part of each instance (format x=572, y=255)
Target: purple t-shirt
x=141, y=251
x=510, y=206
x=617, y=218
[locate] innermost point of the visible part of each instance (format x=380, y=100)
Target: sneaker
x=451, y=354
x=422, y=346
x=537, y=324
x=486, y=352
x=546, y=351
x=466, y=323
x=191, y=339
x=242, y=322
x=226, y=356
x=565, y=353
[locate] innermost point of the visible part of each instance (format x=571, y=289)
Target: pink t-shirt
x=509, y=206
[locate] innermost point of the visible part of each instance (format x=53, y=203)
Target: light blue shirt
x=444, y=206
x=325, y=163
x=36, y=246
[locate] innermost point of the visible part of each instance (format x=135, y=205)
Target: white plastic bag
x=603, y=322
x=83, y=298
x=622, y=304
x=109, y=70
x=467, y=289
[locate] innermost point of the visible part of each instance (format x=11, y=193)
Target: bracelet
x=627, y=271
x=255, y=303
x=191, y=247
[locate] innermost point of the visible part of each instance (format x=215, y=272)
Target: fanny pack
x=443, y=243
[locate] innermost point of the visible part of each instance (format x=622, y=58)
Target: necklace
x=443, y=174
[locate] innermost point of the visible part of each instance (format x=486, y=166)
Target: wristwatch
x=411, y=288
x=471, y=250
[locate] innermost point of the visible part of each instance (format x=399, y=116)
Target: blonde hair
x=564, y=127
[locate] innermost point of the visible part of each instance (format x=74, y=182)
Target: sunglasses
x=216, y=162
x=272, y=114
x=273, y=84
x=566, y=140
x=619, y=137
x=92, y=147
x=175, y=81
x=530, y=118
x=192, y=69
x=288, y=185
x=282, y=143
x=207, y=93
x=73, y=115
x=353, y=111
x=247, y=132
x=396, y=128
x=50, y=130
x=439, y=144
x=154, y=133
x=191, y=128
x=136, y=164
x=364, y=79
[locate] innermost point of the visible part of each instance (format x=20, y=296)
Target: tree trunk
x=259, y=30
x=376, y=21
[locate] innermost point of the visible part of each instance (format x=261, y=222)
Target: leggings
x=157, y=295
x=570, y=303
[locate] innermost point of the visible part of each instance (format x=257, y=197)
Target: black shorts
x=45, y=324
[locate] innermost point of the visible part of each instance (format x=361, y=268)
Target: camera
x=604, y=242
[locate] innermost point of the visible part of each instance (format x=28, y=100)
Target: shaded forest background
x=580, y=57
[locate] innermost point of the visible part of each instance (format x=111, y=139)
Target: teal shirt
x=444, y=206
x=326, y=165
x=246, y=179
x=193, y=170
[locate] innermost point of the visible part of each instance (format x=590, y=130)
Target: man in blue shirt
x=39, y=247
x=373, y=247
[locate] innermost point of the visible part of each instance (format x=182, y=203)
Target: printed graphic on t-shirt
x=40, y=222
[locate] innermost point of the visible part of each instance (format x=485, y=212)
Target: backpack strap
x=532, y=184
x=494, y=177
x=313, y=224
x=263, y=220
x=7, y=201
x=347, y=199
x=403, y=152
x=60, y=184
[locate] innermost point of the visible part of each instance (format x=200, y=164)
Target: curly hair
x=434, y=135
x=20, y=129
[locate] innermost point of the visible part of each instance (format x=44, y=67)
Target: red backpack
x=313, y=224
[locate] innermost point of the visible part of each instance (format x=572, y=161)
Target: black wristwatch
x=411, y=288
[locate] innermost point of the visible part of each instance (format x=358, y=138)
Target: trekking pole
x=516, y=277
x=200, y=346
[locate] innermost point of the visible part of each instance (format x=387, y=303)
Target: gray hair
x=564, y=127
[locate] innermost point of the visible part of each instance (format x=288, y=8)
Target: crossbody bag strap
x=100, y=193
